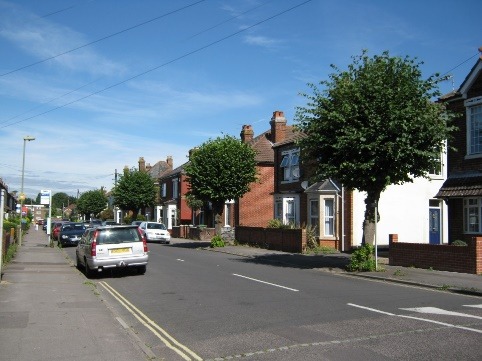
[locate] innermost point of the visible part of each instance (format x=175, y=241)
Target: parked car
x=154, y=231
x=136, y=223
x=70, y=233
x=110, y=222
x=94, y=223
x=107, y=247
x=56, y=229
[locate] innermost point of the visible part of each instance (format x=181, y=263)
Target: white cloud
x=43, y=39
x=262, y=41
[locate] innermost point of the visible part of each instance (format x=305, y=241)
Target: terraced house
x=462, y=191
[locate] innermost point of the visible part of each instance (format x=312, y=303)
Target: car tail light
x=93, y=245
x=144, y=241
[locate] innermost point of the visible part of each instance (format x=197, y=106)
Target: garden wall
x=464, y=259
x=190, y=232
x=286, y=240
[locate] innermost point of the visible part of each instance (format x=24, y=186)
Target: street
x=196, y=304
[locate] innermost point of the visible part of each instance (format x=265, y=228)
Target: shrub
x=276, y=223
x=217, y=241
x=458, y=242
x=362, y=259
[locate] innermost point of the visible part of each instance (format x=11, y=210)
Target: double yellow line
x=158, y=331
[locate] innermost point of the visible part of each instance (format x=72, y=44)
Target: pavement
x=50, y=311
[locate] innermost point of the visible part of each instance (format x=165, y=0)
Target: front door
x=434, y=225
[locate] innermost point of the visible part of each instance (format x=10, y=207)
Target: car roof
x=115, y=227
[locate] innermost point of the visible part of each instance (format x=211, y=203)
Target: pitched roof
x=158, y=169
x=291, y=136
x=461, y=185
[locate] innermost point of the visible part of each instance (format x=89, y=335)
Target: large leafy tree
x=134, y=190
x=374, y=125
x=92, y=202
x=61, y=199
x=220, y=170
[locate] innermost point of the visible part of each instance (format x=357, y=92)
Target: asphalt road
x=195, y=304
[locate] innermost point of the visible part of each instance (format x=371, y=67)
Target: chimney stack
x=246, y=134
x=278, y=126
x=169, y=162
x=142, y=164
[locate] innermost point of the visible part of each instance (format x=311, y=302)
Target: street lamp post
x=26, y=139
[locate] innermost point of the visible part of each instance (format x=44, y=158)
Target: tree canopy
x=220, y=170
x=134, y=190
x=374, y=125
x=92, y=202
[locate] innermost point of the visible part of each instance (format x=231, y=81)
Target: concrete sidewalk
x=447, y=281
x=50, y=311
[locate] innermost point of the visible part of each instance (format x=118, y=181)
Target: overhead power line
x=164, y=64
x=103, y=38
x=462, y=63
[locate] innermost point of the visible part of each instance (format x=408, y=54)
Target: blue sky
x=161, y=77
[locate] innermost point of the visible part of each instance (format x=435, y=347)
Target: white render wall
x=404, y=210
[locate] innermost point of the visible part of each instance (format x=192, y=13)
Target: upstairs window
x=437, y=169
x=175, y=188
x=290, y=165
x=163, y=190
x=474, y=126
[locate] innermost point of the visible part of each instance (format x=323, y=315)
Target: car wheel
x=79, y=265
x=89, y=273
x=141, y=270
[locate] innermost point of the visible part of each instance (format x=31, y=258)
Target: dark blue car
x=70, y=233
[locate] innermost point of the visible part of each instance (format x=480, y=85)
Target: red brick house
x=155, y=171
x=462, y=190
x=174, y=210
x=255, y=208
x=325, y=205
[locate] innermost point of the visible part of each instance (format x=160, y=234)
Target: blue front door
x=434, y=225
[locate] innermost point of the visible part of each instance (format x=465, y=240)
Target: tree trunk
x=371, y=201
x=218, y=208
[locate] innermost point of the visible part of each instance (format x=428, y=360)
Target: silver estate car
x=111, y=247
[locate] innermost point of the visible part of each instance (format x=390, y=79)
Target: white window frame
x=290, y=163
x=472, y=214
x=289, y=205
x=438, y=171
x=329, y=217
x=163, y=190
x=323, y=218
x=314, y=215
x=227, y=212
x=473, y=150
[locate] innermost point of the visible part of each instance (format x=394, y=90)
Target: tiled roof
x=464, y=185
x=291, y=136
x=175, y=171
x=158, y=169
x=263, y=148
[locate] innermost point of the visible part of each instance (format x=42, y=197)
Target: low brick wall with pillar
x=442, y=257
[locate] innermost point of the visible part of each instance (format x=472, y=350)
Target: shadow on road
x=300, y=261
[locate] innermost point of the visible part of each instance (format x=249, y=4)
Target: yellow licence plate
x=120, y=250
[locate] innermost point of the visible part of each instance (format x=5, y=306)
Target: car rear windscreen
x=118, y=235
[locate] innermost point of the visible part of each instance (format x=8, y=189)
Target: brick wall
x=286, y=240
x=439, y=257
x=255, y=208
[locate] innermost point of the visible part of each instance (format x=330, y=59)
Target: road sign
x=45, y=196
